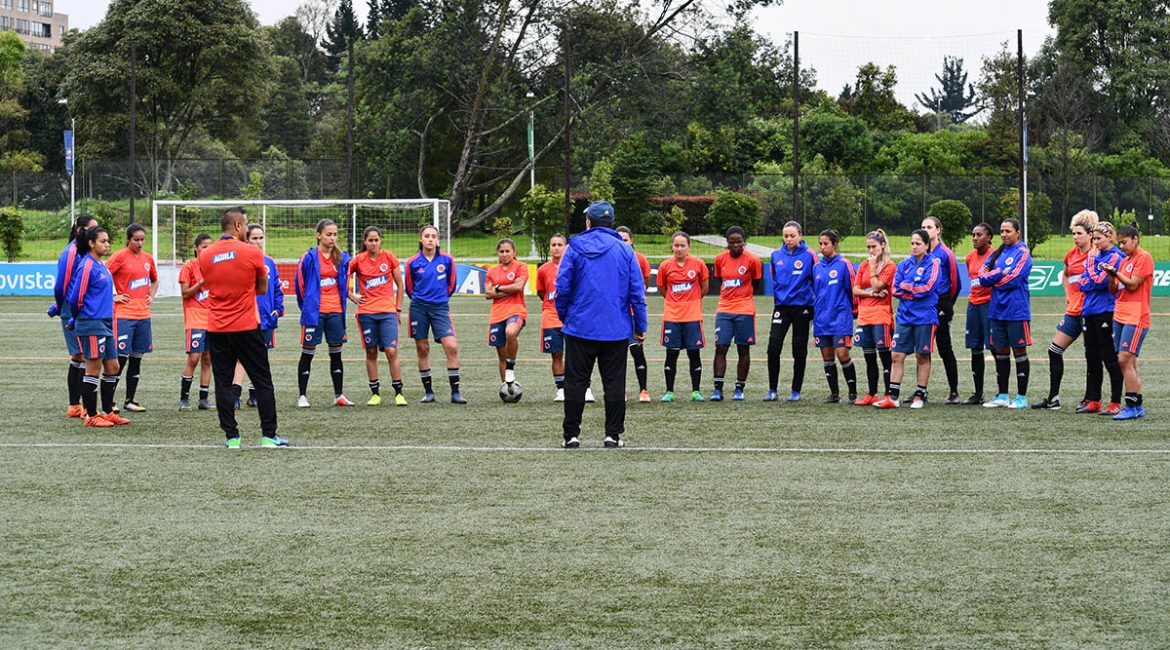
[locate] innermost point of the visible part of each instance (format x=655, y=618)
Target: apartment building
x=35, y=22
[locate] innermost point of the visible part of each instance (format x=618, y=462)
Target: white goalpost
x=290, y=227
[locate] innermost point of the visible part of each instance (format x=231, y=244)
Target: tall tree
x=999, y=87
x=343, y=34
x=373, y=19
x=955, y=96
x=872, y=99
x=15, y=157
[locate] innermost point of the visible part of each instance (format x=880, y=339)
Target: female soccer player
x=91, y=299
x=379, y=289
x=791, y=267
x=135, y=283
x=1099, y=291
x=322, y=286
x=948, y=291
x=875, y=316
x=270, y=305
x=978, y=324
x=1010, y=313
x=552, y=341
x=915, y=285
x=1070, y=325
x=504, y=286
x=430, y=281
x=834, y=305
x=195, y=321
x=637, y=350
x=66, y=267
x=1131, y=315
x=682, y=281
x=737, y=271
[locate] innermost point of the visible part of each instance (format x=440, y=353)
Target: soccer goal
x=290, y=226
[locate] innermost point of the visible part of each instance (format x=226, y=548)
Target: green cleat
x=232, y=443
x=696, y=396
x=274, y=441
x=375, y=400
x=400, y=400
x=668, y=396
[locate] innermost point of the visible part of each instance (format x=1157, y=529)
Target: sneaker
x=589, y=399
x=97, y=421
x=794, y=396
x=614, y=443
x=772, y=396
x=716, y=395
x=917, y=402
x=115, y=419
x=571, y=443
x=560, y=396
x=867, y=400
x=206, y=405
x=134, y=407
x=274, y=441
x=886, y=402
x=184, y=405
x=1112, y=409
x=237, y=405
x=429, y=398
x=399, y=400
x=1000, y=401
x=852, y=397
x=75, y=411
x=251, y=403
x=1048, y=403
x=375, y=400
x=974, y=400
x=343, y=401
x=457, y=398
x=644, y=397
x=1090, y=406
x=302, y=402
x=953, y=400
x=737, y=395
x=833, y=399
x=668, y=396
x=1021, y=402
x=1131, y=413
x=696, y=396
x=232, y=443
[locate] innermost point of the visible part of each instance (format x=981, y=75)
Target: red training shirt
x=374, y=279
x=230, y=269
x=737, y=274
x=546, y=288
x=133, y=274
x=681, y=290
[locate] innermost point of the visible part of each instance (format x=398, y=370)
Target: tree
x=542, y=209
x=872, y=99
x=955, y=96
x=201, y=68
x=14, y=137
x=956, y=220
x=286, y=116
x=343, y=32
x=734, y=209
x=842, y=140
x=11, y=231
x=373, y=19
x=635, y=176
x=999, y=87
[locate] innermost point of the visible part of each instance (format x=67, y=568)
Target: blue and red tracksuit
x=1094, y=282
x=916, y=287
x=948, y=282
x=1008, y=280
x=91, y=292
x=432, y=280
x=66, y=265
x=271, y=304
x=792, y=276
x=308, y=286
x=834, y=303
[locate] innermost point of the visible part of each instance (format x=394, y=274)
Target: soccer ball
x=511, y=393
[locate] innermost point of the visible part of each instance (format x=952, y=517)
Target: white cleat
x=302, y=402
x=589, y=396
x=560, y=395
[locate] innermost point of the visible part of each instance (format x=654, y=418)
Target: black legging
x=943, y=345
x=1099, y=353
x=799, y=318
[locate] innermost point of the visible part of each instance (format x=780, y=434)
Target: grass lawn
x=721, y=525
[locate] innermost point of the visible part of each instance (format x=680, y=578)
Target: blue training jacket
x=834, y=304
x=598, y=284
x=308, y=286
x=792, y=275
x=1008, y=280
x=915, y=286
x=1094, y=282
x=91, y=292
x=273, y=301
x=948, y=280
x=431, y=280
x=67, y=264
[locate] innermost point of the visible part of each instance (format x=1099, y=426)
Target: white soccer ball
x=511, y=393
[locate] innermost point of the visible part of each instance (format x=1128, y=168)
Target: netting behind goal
x=291, y=226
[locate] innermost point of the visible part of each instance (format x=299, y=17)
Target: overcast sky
x=836, y=35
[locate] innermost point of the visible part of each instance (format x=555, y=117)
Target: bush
x=543, y=211
x=502, y=227
x=673, y=220
x=694, y=207
x=956, y=220
x=11, y=231
x=601, y=181
x=734, y=209
x=635, y=175
x=1039, y=229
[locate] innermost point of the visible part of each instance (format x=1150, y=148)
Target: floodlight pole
x=532, y=162
x=796, y=126
x=71, y=155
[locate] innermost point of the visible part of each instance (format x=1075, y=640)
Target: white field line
x=633, y=449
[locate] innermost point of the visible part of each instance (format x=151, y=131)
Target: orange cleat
x=644, y=397
x=75, y=411
x=97, y=421
x=867, y=400
x=115, y=419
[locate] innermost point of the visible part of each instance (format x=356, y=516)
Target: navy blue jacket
x=599, y=284
x=792, y=276
x=308, y=286
x=271, y=304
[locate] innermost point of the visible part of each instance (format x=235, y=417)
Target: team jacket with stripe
x=430, y=280
x=834, y=304
x=948, y=280
x=792, y=275
x=66, y=264
x=308, y=286
x=91, y=292
x=915, y=286
x=1094, y=282
x=271, y=304
x=1009, y=284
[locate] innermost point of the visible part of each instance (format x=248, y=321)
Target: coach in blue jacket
x=600, y=298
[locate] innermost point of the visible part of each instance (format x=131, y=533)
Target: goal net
x=290, y=227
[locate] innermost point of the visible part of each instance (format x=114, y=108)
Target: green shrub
x=1039, y=228
x=601, y=181
x=502, y=227
x=543, y=211
x=672, y=221
x=11, y=231
x=956, y=220
x=734, y=209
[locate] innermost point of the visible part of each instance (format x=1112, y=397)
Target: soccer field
x=720, y=525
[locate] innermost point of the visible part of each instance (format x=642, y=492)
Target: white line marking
x=685, y=450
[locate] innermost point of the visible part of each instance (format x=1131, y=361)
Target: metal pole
x=568, y=133
x=73, y=175
x=796, y=125
x=133, y=121
x=532, y=165
x=1023, y=132
x=264, y=225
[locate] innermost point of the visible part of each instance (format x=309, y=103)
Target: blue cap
x=600, y=213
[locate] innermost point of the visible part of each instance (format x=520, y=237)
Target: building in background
x=35, y=23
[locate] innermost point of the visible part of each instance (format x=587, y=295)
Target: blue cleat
x=794, y=396
x=1131, y=413
x=737, y=395
x=772, y=396
x=273, y=441
x=716, y=395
